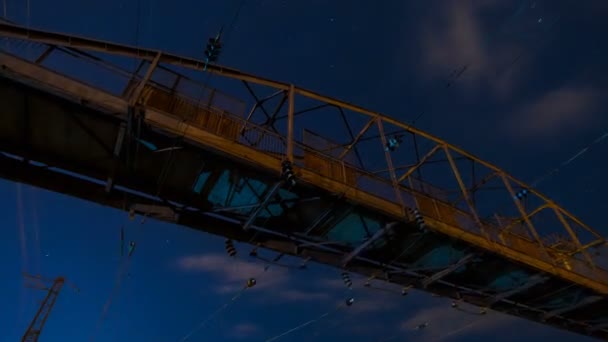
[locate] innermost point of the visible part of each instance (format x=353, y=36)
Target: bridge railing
x=224, y=118
x=241, y=131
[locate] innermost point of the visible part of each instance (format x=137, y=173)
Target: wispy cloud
x=559, y=111
x=370, y=304
x=454, y=36
x=244, y=330
x=298, y=296
x=332, y=283
x=445, y=322
x=234, y=272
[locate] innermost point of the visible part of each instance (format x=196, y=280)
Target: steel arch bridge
x=427, y=215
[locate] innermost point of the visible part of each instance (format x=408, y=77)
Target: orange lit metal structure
x=445, y=185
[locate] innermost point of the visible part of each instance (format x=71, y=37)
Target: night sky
x=531, y=97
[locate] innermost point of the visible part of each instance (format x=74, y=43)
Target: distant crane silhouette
x=35, y=328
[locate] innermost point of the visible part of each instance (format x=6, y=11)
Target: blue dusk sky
x=532, y=96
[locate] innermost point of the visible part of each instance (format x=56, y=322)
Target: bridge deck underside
x=63, y=146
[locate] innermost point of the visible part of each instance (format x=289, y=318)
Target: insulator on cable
x=419, y=219
x=422, y=326
x=521, y=194
x=287, y=173
x=251, y=282
x=131, y=248
x=392, y=143
x=132, y=214
x=230, y=248
x=214, y=47
x=390, y=234
x=346, y=279
x=350, y=301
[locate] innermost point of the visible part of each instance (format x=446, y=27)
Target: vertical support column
x=290, y=119
x=465, y=193
x=525, y=217
x=572, y=234
x=140, y=87
x=389, y=164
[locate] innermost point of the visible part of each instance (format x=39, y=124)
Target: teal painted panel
x=245, y=194
x=509, y=280
x=440, y=257
x=200, y=181
x=350, y=230
x=372, y=225
x=221, y=189
x=227, y=194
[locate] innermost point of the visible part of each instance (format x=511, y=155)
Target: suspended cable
x=232, y=252
x=457, y=330
x=570, y=160
x=121, y=273
x=522, y=194
x=125, y=263
x=250, y=282
x=212, y=53
x=118, y=281
x=21, y=228
x=137, y=23
x=348, y=302
x=36, y=228
x=348, y=281
x=22, y=239
x=137, y=28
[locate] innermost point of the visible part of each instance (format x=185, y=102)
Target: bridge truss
x=427, y=215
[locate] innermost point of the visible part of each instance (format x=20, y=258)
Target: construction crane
x=35, y=328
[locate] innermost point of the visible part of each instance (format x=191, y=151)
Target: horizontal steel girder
x=428, y=281
x=367, y=243
x=532, y=281
x=585, y=301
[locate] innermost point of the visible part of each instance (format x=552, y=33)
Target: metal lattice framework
x=458, y=194
x=53, y=288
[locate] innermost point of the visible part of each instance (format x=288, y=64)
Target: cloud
x=444, y=322
x=332, y=283
x=560, y=111
x=234, y=272
x=297, y=296
x=244, y=330
x=453, y=36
